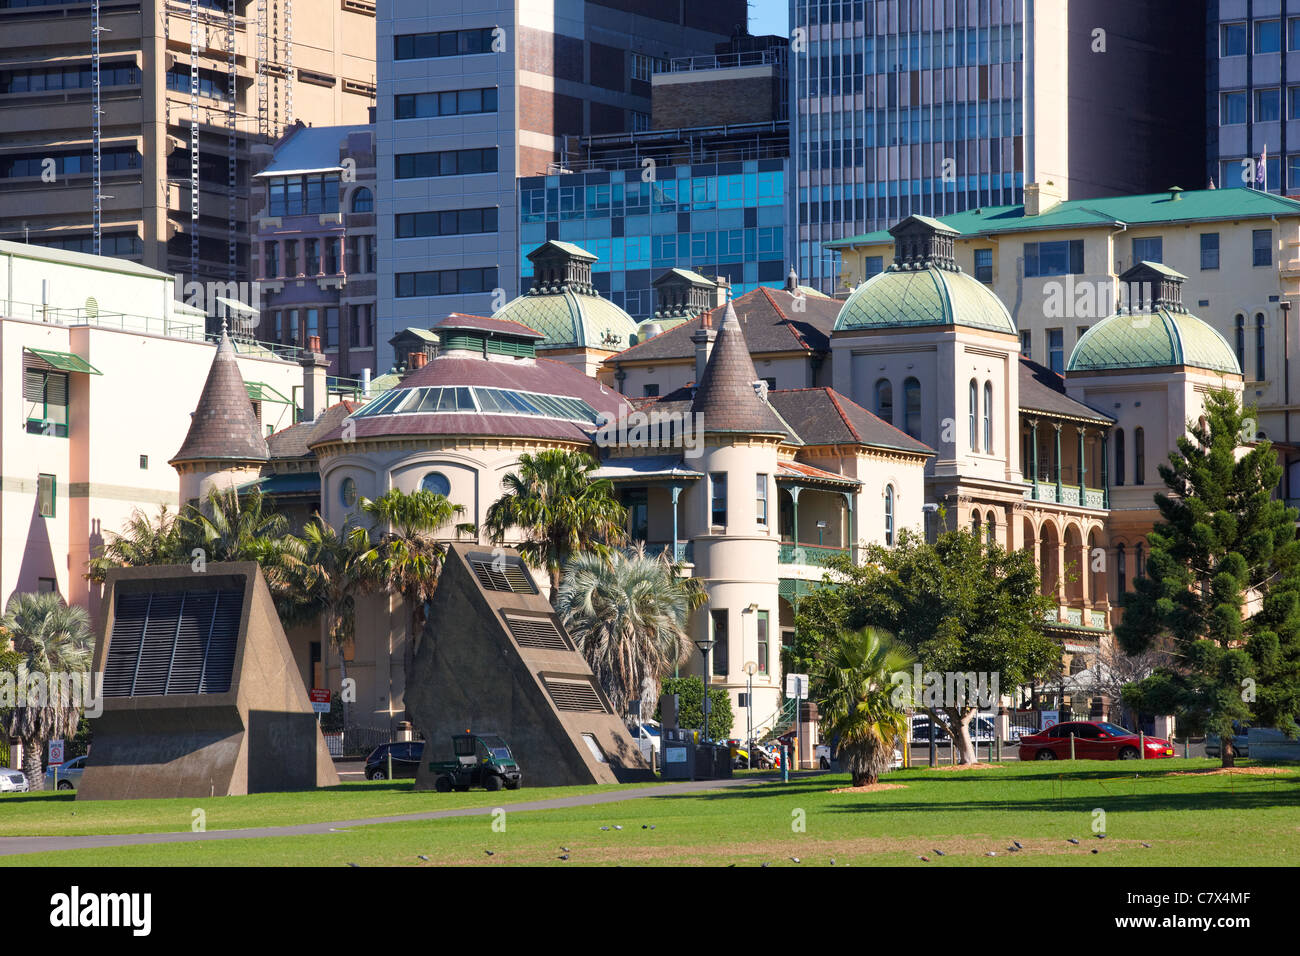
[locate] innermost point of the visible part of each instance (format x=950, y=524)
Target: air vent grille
x=174, y=642
x=538, y=632
x=498, y=576
x=575, y=694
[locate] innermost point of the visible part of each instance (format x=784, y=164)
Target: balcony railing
x=683, y=552
x=1046, y=491
x=814, y=554
x=1089, y=618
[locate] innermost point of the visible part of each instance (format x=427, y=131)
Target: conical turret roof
x=726, y=396
x=224, y=426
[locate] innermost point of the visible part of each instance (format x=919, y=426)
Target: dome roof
x=571, y=316
x=1153, y=338
x=903, y=296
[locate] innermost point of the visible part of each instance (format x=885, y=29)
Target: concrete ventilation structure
x=201, y=694
x=506, y=665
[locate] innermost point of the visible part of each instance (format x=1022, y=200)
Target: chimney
x=365, y=382
x=1041, y=197
x=417, y=360
x=315, y=388
x=704, y=337
x=792, y=281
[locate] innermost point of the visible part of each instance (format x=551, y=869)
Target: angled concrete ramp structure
x=201, y=696
x=495, y=658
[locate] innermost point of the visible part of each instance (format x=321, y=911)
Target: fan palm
x=144, y=541
x=406, y=557
x=53, y=639
x=628, y=616
x=857, y=704
x=559, y=509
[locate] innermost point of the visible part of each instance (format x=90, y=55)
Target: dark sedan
x=1093, y=740
x=406, y=759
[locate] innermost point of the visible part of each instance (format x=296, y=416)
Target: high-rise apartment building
x=474, y=93
x=224, y=73
x=931, y=107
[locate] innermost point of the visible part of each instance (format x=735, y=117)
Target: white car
x=824, y=757
x=69, y=775
x=647, y=739
x=12, y=781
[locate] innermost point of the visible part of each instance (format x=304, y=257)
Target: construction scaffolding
x=96, y=133
x=232, y=146
x=194, y=139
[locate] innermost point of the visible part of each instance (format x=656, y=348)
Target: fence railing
x=359, y=741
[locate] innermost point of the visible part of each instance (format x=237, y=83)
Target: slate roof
x=769, y=319
x=223, y=426
x=725, y=397
x=822, y=416
x=296, y=440
x=1042, y=390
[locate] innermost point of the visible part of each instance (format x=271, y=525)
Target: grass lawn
x=1190, y=819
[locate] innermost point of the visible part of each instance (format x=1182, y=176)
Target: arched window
x=885, y=400
x=1139, y=565
x=436, y=482
x=1240, y=322
x=991, y=529
x=1121, y=572
x=1119, y=456
x=363, y=200
x=912, y=407
x=975, y=523
x=889, y=516
x=974, y=415
x=1260, y=367
x=1139, y=456
x=988, y=417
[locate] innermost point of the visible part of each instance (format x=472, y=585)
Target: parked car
x=1240, y=742
x=12, y=781
x=647, y=737
x=824, y=757
x=406, y=759
x=69, y=775
x=983, y=728
x=1093, y=740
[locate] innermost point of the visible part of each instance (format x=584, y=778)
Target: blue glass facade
x=717, y=219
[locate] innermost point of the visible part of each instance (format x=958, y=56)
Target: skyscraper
x=929, y=107
x=472, y=94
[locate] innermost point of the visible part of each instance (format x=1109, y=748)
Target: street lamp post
x=705, y=646
x=750, y=667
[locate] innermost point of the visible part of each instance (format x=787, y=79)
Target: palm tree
x=559, y=508
x=406, y=558
x=857, y=702
x=53, y=639
x=143, y=541
x=628, y=615
x=328, y=568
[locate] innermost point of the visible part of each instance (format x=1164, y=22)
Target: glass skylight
x=492, y=401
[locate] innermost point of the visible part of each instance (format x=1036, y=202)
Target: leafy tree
x=959, y=605
x=690, y=706
x=628, y=615
x=52, y=639
x=559, y=509
x=142, y=542
x=1223, y=584
x=857, y=702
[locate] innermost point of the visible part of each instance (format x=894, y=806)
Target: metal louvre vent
x=498, y=577
x=537, y=632
x=574, y=694
x=177, y=642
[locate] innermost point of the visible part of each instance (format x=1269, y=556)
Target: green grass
x=1191, y=820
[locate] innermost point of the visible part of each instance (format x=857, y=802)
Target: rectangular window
x=293, y=327
x=1232, y=108
x=721, y=646
x=1079, y=332
x=1209, y=250
x=45, y=402
x=1268, y=36
x=272, y=260
x=454, y=162
x=422, y=46
x=872, y=265
x=446, y=282
x=1232, y=39
x=368, y=258
x=332, y=255
x=313, y=323
x=651, y=390
x=762, y=642
x=1268, y=105
x=46, y=585
x=312, y=254
x=45, y=491
x=1054, y=258
x=718, y=498
x=448, y=222
x=1027, y=344
x=291, y=257
x=446, y=103
x=1150, y=249
x=144, y=462
x=331, y=327
x=1056, y=350
x=984, y=265
x=760, y=501
x=1293, y=102
x=1293, y=33
x=1261, y=247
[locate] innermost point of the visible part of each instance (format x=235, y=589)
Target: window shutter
x=56, y=389
x=33, y=385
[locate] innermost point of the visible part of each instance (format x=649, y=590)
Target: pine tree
x=1223, y=584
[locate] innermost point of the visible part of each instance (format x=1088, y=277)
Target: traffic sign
x=796, y=685
x=320, y=700
x=56, y=753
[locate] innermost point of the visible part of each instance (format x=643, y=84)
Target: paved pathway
x=10, y=846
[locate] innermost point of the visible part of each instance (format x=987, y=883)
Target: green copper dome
x=904, y=295
x=1157, y=338
x=572, y=317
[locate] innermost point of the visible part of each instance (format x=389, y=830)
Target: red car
x=1093, y=740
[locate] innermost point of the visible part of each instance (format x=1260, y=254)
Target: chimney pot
x=313, y=343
